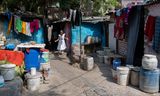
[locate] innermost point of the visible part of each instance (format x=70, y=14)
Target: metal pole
x=80, y=32
x=80, y=38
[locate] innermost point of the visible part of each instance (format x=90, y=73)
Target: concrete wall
x=112, y=40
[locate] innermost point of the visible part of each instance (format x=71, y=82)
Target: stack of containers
x=116, y=63
x=103, y=55
x=45, y=64
x=149, y=74
x=44, y=59
x=100, y=55
x=107, y=52
x=88, y=63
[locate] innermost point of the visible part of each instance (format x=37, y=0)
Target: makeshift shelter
x=93, y=31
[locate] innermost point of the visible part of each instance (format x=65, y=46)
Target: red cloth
x=119, y=27
x=3, y=55
x=34, y=25
x=150, y=27
x=13, y=57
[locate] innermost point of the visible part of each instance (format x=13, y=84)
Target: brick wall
x=122, y=47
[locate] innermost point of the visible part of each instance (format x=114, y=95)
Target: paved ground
x=69, y=81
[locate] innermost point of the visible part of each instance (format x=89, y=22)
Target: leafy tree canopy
x=97, y=7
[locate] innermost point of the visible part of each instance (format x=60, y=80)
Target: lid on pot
x=1, y=81
x=149, y=55
x=136, y=69
x=29, y=76
x=8, y=66
x=123, y=68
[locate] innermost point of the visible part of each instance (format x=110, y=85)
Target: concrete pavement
x=67, y=80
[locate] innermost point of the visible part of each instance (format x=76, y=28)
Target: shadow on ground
x=106, y=70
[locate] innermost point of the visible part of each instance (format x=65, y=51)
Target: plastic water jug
x=116, y=63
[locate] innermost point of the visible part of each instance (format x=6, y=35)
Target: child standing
x=61, y=42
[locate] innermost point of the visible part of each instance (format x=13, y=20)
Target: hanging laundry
x=50, y=28
x=72, y=19
x=126, y=14
x=18, y=23
x=10, y=25
x=70, y=14
x=119, y=27
x=28, y=32
x=37, y=23
x=150, y=27
x=23, y=27
x=74, y=15
x=118, y=12
x=34, y=25
x=156, y=39
x=135, y=44
x=15, y=18
x=78, y=17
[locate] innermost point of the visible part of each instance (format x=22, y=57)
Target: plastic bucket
x=116, y=63
x=88, y=63
x=8, y=71
x=1, y=81
x=100, y=59
x=122, y=75
x=106, y=59
x=33, y=81
x=44, y=66
x=32, y=59
x=149, y=80
x=101, y=53
x=114, y=74
x=44, y=57
x=135, y=76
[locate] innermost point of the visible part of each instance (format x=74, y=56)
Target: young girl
x=61, y=42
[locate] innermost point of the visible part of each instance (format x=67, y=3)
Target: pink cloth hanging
x=34, y=25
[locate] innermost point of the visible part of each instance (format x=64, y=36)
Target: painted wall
x=88, y=29
x=112, y=40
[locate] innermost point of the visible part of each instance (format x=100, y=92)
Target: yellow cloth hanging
x=9, y=25
x=23, y=27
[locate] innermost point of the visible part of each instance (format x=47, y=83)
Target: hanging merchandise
x=150, y=27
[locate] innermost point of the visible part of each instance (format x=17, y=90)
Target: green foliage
x=67, y=4
x=101, y=7
x=29, y=5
